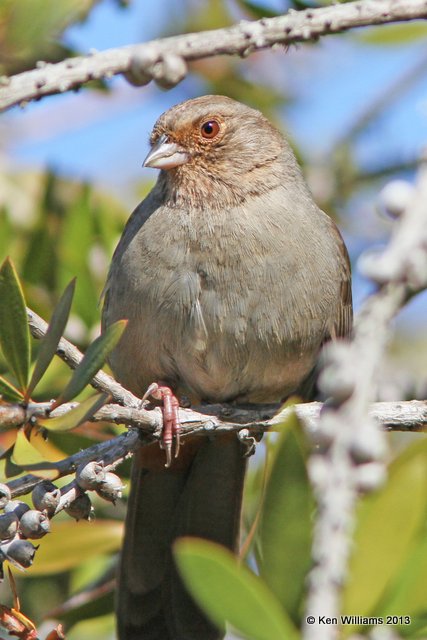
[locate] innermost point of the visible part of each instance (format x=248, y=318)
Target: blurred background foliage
x=70, y=176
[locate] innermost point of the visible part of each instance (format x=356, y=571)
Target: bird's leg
x=170, y=412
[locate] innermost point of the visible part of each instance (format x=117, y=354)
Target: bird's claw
x=171, y=424
x=249, y=442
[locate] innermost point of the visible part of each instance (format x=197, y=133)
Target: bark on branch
x=410, y=416
x=392, y=416
x=164, y=60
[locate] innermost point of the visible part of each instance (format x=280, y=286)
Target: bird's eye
x=210, y=129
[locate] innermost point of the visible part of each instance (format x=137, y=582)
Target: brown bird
x=231, y=279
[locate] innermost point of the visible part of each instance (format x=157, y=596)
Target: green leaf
x=389, y=524
x=14, y=332
x=7, y=468
x=256, y=10
x=41, y=260
x=11, y=470
x=90, y=603
x=92, y=573
x=7, y=234
x=417, y=630
x=93, y=360
x=53, y=335
x=26, y=456
x=91, y=586
x=213, y=14
x=32, y=29
x=286, y=522
x=394, y=34
x=78, y=231
x=228, y=591
x=408, y=596
x=76, y=416
x=97, y=628
x=73, y=543
x=24, y=452
x=9, y=392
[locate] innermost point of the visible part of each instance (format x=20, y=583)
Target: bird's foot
x=170, y=411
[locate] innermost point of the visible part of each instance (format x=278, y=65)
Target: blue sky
x=103, y=138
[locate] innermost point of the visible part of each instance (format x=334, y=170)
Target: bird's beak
x=165, y=155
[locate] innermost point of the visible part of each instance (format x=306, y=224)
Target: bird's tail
x=200, y=495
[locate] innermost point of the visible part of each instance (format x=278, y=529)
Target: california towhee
x=232, y=279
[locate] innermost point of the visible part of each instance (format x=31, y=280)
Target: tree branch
x=396, y=416
x=410, y=415
x=112, y=452
x=350, y=458
x=164, y=60
x=72, y=357
x=217, y=418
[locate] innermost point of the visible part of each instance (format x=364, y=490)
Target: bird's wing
x=343, y=321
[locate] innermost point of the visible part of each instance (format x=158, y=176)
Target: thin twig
x=72, y=357
x=111, y=452
x=165, y=59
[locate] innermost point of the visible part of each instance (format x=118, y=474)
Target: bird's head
x=214, y=145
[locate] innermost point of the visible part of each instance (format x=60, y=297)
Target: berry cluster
x=19, y=523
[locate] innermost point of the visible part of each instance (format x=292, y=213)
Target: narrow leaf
x=74, y=417
x=393, y=34
x=94, y=601
x=78, y=229
x=34, y=453
x=257, y=11
x=53, y=335
x=408, y=597
x=47, y=449
x=24, y=453
x=286, y=522
x=416, y=630
x=72, y=544
x=9, y=469
x=92, y=361
x=389, y=525
x=229, y=592
x=14, y=332
x=9, y=392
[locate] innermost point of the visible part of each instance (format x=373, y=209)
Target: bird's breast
x=219, y=307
